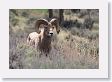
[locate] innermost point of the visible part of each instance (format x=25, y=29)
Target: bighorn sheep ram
x=41, y=39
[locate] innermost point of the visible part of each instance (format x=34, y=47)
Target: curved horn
x=55, y=23
x=39, y=22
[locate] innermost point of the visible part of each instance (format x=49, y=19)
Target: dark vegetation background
x=75, y=47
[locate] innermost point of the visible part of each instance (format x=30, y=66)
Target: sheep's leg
x=46, y=54
x=36, y=43
x=40, y=54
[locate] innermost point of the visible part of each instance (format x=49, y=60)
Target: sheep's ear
x=55, y=23
x=40, y=22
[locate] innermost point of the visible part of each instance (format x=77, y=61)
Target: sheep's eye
x=53, y=27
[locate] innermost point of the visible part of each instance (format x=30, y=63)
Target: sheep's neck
x=45, y=42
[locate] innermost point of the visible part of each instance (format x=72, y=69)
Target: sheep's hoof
x=46, y=55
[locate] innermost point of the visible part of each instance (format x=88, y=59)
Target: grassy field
x=72, y=48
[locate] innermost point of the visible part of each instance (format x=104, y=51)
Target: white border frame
x=102, y=72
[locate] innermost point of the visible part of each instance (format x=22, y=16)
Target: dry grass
x=71, y=49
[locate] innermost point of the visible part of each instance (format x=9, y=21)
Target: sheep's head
x=43, y=25
x=54, y=24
